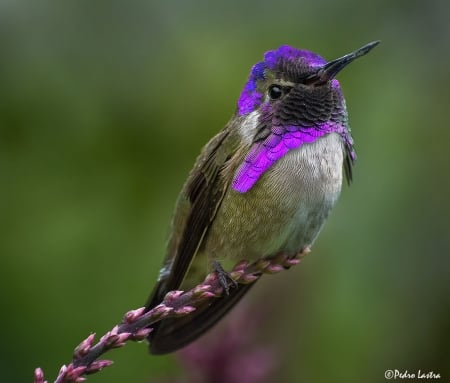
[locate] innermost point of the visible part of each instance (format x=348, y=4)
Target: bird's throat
x=264, y=154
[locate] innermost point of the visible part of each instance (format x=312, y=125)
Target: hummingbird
x=262, y=186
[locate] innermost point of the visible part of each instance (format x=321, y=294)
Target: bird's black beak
x=332, y=68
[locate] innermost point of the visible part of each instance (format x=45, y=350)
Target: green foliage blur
x=104, y=106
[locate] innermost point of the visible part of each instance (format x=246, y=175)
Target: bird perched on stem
x=264, y=185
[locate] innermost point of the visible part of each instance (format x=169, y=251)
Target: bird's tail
x=174, y=333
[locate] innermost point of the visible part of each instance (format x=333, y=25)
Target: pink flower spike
x=198, y=290
x=124, y=336
x=121, y=339
x=132, y=315
x=184, y=310
x=74, y=372
x=172, y=295
x=62, y=370
x=241, y=266
x=105, y=338
x=141, y=334
x=84, y=347
x=274, y=268
x=262, y=264
x=236, y=275
x=210, y=279
x=292, y=261
x=98, y=365
x=110, y=337
x=207, y=295
x=176, y=303
x=39, y=376
x=161, y=311
x=248, y=278
x=205, y=287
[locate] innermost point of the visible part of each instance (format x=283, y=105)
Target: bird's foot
x=225, y=279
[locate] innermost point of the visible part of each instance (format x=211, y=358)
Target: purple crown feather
x=250, y=98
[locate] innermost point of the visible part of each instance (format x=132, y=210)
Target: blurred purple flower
x=230, y=353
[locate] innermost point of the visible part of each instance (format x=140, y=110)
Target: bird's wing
x=195, y=210
x=197, y=205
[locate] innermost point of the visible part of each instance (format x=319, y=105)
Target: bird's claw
x=225, y=279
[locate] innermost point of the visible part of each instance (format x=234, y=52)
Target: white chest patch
x=249, y=127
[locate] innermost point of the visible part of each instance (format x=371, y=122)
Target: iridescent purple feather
x=250, y=98
x=282, y=139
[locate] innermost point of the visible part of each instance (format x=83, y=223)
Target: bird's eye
x=275, y=92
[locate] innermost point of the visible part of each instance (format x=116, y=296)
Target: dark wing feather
x=348, y=166
x=195, y=210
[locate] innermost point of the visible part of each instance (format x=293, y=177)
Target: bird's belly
x=285, y=209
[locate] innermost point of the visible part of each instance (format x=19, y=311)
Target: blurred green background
x=104, y=107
